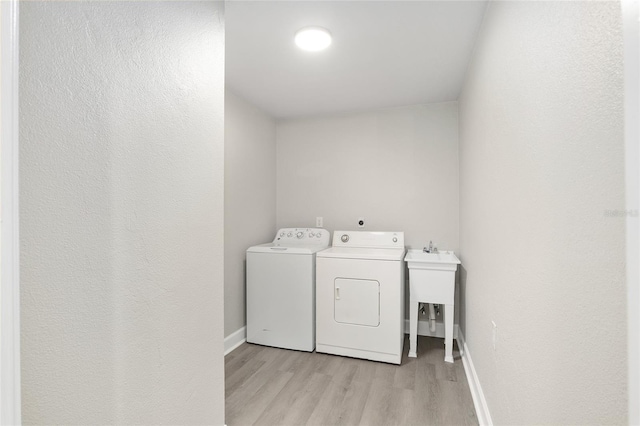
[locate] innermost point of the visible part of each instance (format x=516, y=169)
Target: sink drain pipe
x=432, y=314
x=432, y=318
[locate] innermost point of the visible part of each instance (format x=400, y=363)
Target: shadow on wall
x=461, y=278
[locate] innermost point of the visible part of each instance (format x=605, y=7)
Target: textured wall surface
x=121, y=191
x=542, y=167
x=249, y=198
x=397, y=168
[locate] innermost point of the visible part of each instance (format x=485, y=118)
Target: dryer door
x=357, y=301
x=359, y=308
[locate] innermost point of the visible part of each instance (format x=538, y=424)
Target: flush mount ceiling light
x=313, y=39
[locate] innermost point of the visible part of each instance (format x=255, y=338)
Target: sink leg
x=413, y=329
x=448, y=333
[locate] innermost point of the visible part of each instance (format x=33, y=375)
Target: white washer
x=360, y=296
x=281, y=289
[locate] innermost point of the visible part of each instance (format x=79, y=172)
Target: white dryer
x=281, y=289
x=360, y=296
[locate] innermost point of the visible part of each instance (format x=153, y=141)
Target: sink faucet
x=428, y=249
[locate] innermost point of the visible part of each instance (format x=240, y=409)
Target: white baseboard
x=479, y=401
x=239, y=336
x=424, y=330
x=234, y=340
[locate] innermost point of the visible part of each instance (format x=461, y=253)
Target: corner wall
x=250, y=197
x=121, y=219
x=541, y=188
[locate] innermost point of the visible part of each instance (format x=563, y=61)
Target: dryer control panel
x=368, y=239
x=315, y=237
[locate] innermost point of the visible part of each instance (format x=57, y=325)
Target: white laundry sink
x=432, y=276
x=440, y=261
x=431, y=280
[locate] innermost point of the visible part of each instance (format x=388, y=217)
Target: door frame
x=631, y=31
x=10, y=390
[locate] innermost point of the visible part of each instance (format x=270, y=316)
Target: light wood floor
x=269, y=386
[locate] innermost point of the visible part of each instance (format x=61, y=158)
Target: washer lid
x=279, y=249
x=363, y=253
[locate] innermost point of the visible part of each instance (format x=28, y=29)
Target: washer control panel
x=303, y=236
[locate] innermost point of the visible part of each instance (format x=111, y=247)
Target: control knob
x=344, y=238
x=289, y=234
x=300, y=234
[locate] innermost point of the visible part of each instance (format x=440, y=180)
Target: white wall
x=542, y=169
x=121, y=179
x=397, y=168
x=250, y=197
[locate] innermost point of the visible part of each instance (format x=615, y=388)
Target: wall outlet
x=494, y=335
x=361, y=222
x=319, y=222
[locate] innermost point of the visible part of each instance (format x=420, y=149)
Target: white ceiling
x=384, y=53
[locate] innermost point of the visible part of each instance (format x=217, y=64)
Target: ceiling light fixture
x=313, y=39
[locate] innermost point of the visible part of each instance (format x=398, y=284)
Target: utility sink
x=432, y=278
x=440, y=261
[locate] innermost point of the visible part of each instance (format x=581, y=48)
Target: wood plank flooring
x=269, y=386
